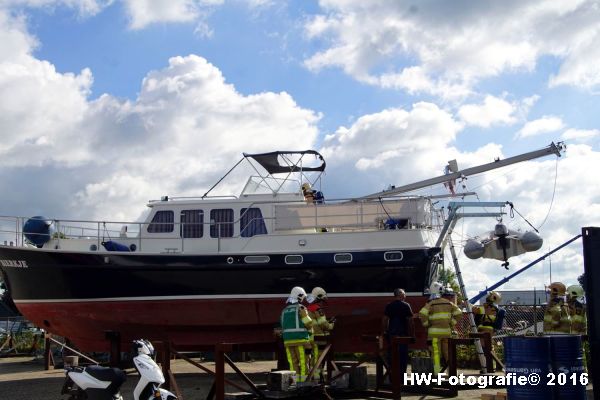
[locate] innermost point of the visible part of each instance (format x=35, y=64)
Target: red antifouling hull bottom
x=194, y=324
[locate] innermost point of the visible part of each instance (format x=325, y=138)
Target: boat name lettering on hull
x=14, y=263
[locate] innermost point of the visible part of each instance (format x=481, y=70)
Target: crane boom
x=553, y=148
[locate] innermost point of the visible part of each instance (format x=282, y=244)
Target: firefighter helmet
x=319, y=293
x=493, y=297
x=575, y=291
x=297, y=295
x=557, y=289
x=436, y=288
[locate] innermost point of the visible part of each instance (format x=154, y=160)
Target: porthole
x=229, y=260
x=93, y=247
x=256, y=259
x=342, y=258
x=393, y=256
x=132, y=247
x=294, y=259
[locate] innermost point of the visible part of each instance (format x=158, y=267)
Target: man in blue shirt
x=397, y=321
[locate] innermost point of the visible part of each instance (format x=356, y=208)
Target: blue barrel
x=525, y=356
x=567, y=359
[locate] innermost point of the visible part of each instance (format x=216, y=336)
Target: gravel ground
x=24, y=378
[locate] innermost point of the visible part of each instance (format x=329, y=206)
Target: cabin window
x=257, y=259
x=252, y=222
x=294, y=259
x=342, y=258
x=221, y=223
x=162, y=222
x=192, y=223
x=393, y=256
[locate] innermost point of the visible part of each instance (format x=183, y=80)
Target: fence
x=18, y=335
x=519, y=320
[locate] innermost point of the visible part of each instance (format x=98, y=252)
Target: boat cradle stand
x=327, y=390
x=168, y=351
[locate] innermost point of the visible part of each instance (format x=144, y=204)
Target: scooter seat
x=113, y=375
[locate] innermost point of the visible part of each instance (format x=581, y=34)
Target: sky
x=105, y=104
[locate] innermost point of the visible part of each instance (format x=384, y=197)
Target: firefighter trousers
x=296, y=356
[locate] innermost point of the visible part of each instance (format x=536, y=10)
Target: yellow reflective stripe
x=440, y=315
x=424, y=311
x=437, y=362
x=315, y=356
x=302, y=361
x=457, y=313
x=296, y=341
x=434, y=330
x=289, y=358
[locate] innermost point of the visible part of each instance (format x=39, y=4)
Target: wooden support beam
x=166, y=363
x=319, y=362
x=48, y=358
x=244, y=377
x=208, y=371
x=174, y=385
x=220, y=372
x=115, y=347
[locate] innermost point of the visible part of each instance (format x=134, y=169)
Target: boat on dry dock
x=214, y=269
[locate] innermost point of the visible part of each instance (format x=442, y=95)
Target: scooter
x=103, y=383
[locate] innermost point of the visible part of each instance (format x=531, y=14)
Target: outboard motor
x=501, y=231
x=37, y=230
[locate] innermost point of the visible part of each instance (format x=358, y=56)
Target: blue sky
x=105, y=104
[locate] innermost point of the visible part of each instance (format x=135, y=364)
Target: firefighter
x=556, y=316
x=321, y=326
x=439, y=316
x=489, y=317
x=296, y=328
x=577, y=311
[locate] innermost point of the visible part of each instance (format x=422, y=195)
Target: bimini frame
x=280, y=162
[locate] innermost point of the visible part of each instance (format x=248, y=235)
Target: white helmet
x=575, y=292
x=436, y=288
x=297, y=295
x=143, y=346
x=493, y=297
x=319, y=293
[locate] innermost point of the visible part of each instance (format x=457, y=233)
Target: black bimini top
x=271, y=161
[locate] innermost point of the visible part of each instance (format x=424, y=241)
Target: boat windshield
x=267, y=185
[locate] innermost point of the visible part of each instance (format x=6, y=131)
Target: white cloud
x=186, y=127
x=391, y=146
x=145, y=12
x=493, y=111
x=184, y=130
x=446, y=45
x=546, y=124
x=580, y=135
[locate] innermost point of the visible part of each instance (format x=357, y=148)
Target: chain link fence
x=519, y=320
